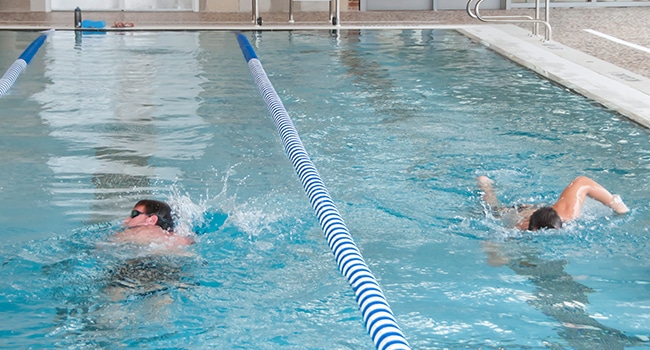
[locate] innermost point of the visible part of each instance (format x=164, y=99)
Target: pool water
x=399, y=125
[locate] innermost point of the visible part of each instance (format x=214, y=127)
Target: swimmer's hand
x=618, y=206
x=484, y=180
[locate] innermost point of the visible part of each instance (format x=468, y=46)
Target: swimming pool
x=399, y=124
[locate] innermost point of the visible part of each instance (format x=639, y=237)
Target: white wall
x=423, y=5
x=126, y=5
x=390, y=5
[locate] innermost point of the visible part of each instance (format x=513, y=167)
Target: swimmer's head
x=545, y=217
x=161, y=210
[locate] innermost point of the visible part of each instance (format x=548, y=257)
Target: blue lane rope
x=377, y=315
x=10, y=76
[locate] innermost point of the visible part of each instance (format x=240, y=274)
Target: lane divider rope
x=378, y=317
x=19, y=65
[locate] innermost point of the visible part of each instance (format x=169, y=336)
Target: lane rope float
x=378, y=317
x=19, y=65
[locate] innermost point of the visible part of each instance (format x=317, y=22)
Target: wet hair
x=545, y=217
x=161, y=210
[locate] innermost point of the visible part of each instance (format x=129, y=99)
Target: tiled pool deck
x=613, y=73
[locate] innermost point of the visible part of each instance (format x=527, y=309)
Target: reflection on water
x=128, y=119
x=120, y=121
x=398, y=134
x=380, y=91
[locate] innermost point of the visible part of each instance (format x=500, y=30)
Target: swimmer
x=567, y=208
x=151, y=226
x=150, y=222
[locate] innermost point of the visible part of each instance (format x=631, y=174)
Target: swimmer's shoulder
x=145, y=235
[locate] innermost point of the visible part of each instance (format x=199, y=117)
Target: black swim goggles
x=162, y=222
x=136, y=213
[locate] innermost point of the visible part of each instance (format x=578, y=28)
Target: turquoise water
x=399, y=124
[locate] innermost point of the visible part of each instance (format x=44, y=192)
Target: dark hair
x=161, y=210
x=545, y=217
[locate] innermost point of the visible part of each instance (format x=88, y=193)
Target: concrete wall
x=204, y=5
x=25, y=5
x=14, y=6
x=461, y=5
x=265, y=5
x=391, y=5
x=424, y=5
x=40, y=5
x=219, y=6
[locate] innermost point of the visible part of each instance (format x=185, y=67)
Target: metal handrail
x=333, y=8
x=257, y=20
x=515, y=19
x=473, y=15
x=335, y=14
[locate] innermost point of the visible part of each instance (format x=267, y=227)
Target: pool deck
x=601, y=53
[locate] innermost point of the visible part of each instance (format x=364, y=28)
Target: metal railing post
x=514, y=19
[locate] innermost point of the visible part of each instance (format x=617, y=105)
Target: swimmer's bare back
x=145, y=235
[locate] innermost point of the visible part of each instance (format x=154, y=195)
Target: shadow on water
x=146, y=276
x=121, y=297
x=559, y=296
x=94, y=294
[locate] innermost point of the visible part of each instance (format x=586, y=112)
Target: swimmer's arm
x=573, y=198
x=489, y=196
x=182, y=240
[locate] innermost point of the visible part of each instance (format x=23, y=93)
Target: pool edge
x=612, y=86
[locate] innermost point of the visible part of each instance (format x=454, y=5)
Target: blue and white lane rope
x=10, y=76
x=377, y=315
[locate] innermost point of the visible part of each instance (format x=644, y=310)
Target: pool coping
x=614, y=87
